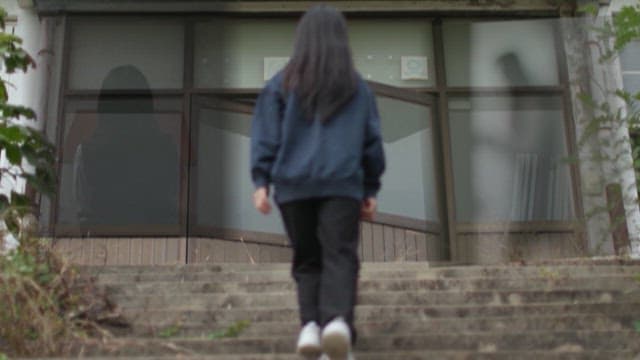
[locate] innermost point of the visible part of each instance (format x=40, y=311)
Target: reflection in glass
x=233, y=53
x=99, y=44
x=379, y=45
x=508, y=159
x=408, y=185
x=230, y=53
x=224, y=189
x=121, y=161
x=500, y=53
x=630, y=63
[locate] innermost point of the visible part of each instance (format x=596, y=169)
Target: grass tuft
x=47, y=308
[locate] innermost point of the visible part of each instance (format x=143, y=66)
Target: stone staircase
x=406, y=311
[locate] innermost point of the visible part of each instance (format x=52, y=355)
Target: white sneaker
x=336, y=340
x=309, y=342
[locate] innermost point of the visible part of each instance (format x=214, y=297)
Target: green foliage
x=626, y=25
x=612, y=37
x=636, y=325
x=170, y=331
x=46, y=306
x=590, y=9
x=31, y=157
x=33, y=284
x=43, y=307
x=232, y=331
x=605, y=113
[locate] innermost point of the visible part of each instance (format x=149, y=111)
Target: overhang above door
x=466, y=7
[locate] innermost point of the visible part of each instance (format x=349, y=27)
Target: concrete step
x=437, y=297
x=476, y=342
x=163, y=316
x=567, y=353
x=495, y=325
x=406, y=311
x=612, y=283
x=113, y=275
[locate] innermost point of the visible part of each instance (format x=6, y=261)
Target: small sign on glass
x=414, y=68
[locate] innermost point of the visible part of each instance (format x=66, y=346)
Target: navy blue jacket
x=303, y=159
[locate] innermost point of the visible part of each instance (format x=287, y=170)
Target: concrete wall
x=588, y=75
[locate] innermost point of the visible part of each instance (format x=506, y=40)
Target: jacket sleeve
x=265, y=135
x=373, y=161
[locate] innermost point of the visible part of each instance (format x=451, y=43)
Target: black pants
x=324, y=236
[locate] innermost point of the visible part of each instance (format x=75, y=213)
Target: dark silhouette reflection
x=515, y=145
x=126, y=172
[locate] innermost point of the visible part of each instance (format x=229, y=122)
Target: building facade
x=150, y=103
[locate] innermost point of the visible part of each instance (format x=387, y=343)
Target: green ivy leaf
x=12, y=134
x=13, y=154
x=19, y=200
x=15, y=111
x=627, y=26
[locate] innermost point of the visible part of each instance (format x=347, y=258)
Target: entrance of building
x=153, y=137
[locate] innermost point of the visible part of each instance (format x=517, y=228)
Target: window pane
x=632, y=82
x=630, y=57
x=120, y=165
x=508, y=159
x=243, y=53
x=224, y=187
x=379, y=45
x=98, y=45
x=408, y=185
x=502, y=53
x=231, y=52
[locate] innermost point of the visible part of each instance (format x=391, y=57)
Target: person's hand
x=261, y=200
x=369, y=206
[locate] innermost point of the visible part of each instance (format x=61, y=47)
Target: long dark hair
x=321, y=71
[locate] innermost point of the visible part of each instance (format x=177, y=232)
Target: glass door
x=411, y=221
x=224, y=226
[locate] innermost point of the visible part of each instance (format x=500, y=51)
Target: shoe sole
x=336, y=346
x=309, y=352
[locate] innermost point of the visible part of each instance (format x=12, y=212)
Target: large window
x=509, y=159
x=154, y=134
x=121, y=143
x=100, y=44
x=120, y=166
x=500, y=53
x=243, y=53
x=507, y=125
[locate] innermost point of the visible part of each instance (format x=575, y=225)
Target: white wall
x=30, y=89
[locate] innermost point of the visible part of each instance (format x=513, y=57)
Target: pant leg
x=300, y=220
x=338, y=231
